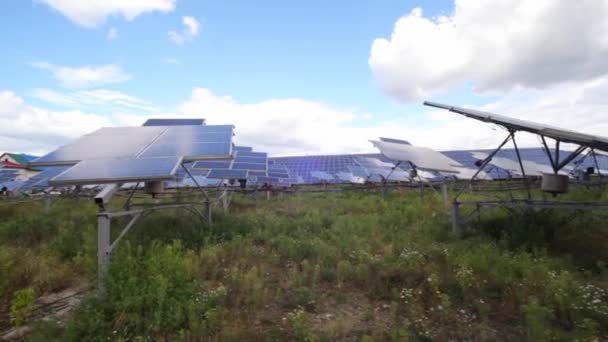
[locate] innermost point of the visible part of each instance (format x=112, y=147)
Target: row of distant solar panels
x=332, y=169
x=375, y=167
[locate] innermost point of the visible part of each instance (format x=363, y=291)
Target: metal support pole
x=597, y=167
x=103, y=250
x=225, y=201
x=444, y=194
x=455, y=217
x=208, y=211
x=47, y=204
x=521, y=165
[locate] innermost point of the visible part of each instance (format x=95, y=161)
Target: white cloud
x=85, y=76
x=91, y=13
x=295, y=126
x=498, y=44
x=173, y=61
x=94, y=99
x=34, y=130
x=112, y=34
x=190, y=30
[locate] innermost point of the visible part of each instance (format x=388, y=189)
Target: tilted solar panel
x=243, y=149
x=101, y=171
x=423, y=157
x=397, y=141
x=252, y=154
x=561, y=134
x=40, y=180
x=212, y=164
x=113, y=142
x=174, y=122
x=189, y=150
x=228, y=174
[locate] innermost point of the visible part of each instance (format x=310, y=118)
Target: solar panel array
x=100, y=171
x=124, y=154
x=174, y=122
x=337, y=168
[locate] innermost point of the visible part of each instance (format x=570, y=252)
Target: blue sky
x=368, y=64
x=252, y=51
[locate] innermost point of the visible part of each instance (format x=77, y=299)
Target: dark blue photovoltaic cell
x=189, y=150
x=109, y=142
x=212, y=164
x=100, y=171
x=191, y=142
x=278, y=174
x=174, y=122
x=257, y=173
x=243, y=149
x=300, y=167
x=252, y=154
x=250, y=160
x=248, y=166
x=227, y=174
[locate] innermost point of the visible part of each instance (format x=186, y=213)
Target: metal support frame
x=135, y=211
x=556, y=165
x=48, y=202
x=444, y=194
x=521, y=165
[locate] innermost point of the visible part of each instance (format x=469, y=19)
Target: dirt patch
x=53, y=307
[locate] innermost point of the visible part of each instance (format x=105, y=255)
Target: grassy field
x=312, y=267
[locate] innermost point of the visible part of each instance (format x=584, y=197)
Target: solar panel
x=212, y=164
x=40, y=180
x=101, y=171
x=190, y=151
x=467, y=173
x=174, y=122
x=188, y=141
x=227, y=174
x=322, y=175
x=112, y=142
x=257, y=173
x=278, y=174
x=424, y=158
x=252, y=154
x=191, y=142
x=248, y=166
x=243, y=149
x=557, y=133
x=396, y=141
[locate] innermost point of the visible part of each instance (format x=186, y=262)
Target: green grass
x=316, y=267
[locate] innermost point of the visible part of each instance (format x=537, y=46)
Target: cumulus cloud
x=190, y=30
x=36, y=130
x=91, y=13
x=293, y=126
x=85, y=76
x=498, y=45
